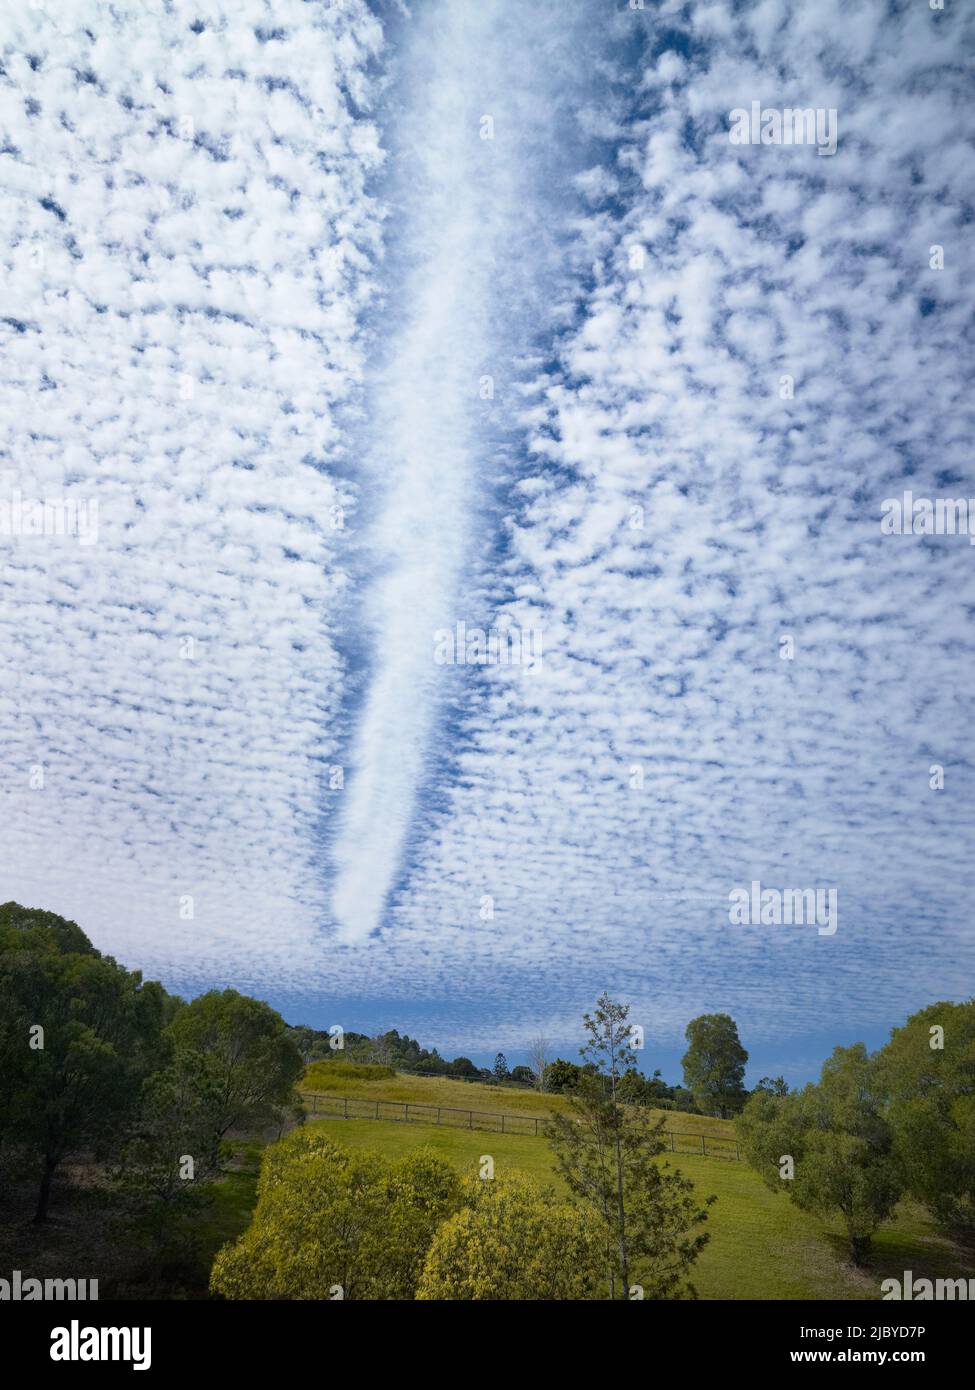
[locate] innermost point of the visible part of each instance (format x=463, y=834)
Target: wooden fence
x=413, y=1112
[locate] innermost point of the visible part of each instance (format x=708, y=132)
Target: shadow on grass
x=912, y=1241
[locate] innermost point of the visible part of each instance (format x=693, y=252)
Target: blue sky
x=357, y=322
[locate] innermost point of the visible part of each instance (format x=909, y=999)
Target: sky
x=340, y=325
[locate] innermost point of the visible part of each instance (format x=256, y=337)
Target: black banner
x=269, y=1338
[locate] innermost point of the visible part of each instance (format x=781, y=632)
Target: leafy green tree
x=81, y=1034
x=334, y=1224
x=463, y=1066
x=683, y=1100
x=829, y=1146
x=561, y=1076
x=31, y=942
x=166, y=1165
x=606, y=1151
x=246, y=1050
x=714, y=1064
x=512, y=1240
x=33, y=927
x=775, y=1085
x=315, y=1044
x=927, y=1074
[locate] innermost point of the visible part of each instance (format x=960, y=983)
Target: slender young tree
x=606, y=1150
x=538, y=1055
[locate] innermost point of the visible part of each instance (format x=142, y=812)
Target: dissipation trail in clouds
x=483, y=147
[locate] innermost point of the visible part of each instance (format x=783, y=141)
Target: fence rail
x=417, y=1112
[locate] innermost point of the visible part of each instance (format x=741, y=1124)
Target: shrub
x=321, y=1075
x=513, y=1240
x=330, y=1223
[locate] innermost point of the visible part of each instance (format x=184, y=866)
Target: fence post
x=502, y=1124
x=737, y=1153
x=470, y=1114
x=536, y=1126
x=347, y=1107
x=672, y=1137
x=703, y=1149
x=406, y=1115
x=377, y=1109
x=438, y=1114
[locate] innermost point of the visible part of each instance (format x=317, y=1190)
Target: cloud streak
x=471, y=265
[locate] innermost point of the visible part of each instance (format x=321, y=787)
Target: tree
x=246, y=1049
x=170, y=1156
x=775, y=1086
x=512, y=1240
x=524, y=1076
x=315, y=1044
x=633, y=1088
x=331, y=1223
x=501, y=1067
x=561, y=1076
x=927, y=1075
x=538, y=1053
x=829, y=1145
x=81, y=1032
x=463, y=1066
x=683, y=1100
x=381, y=1050
x=606, y=1151
x=714, y=1064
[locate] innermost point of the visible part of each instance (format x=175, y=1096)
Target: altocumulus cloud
x=187, y=252
x=638, y=488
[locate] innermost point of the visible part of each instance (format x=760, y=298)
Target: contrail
x=476, y=127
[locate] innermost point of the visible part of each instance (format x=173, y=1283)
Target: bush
x=321, y=1075
x=513, y=1240
x=334, y=1224
x=561, y=1076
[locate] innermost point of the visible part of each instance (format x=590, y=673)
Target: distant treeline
x=396, y=1050
x=714, y=1067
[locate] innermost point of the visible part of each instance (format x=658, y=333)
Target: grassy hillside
x=342, y=1079
x=761, y=1246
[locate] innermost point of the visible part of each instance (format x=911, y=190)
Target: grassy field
x=761, y=1246
x=338, y=1079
